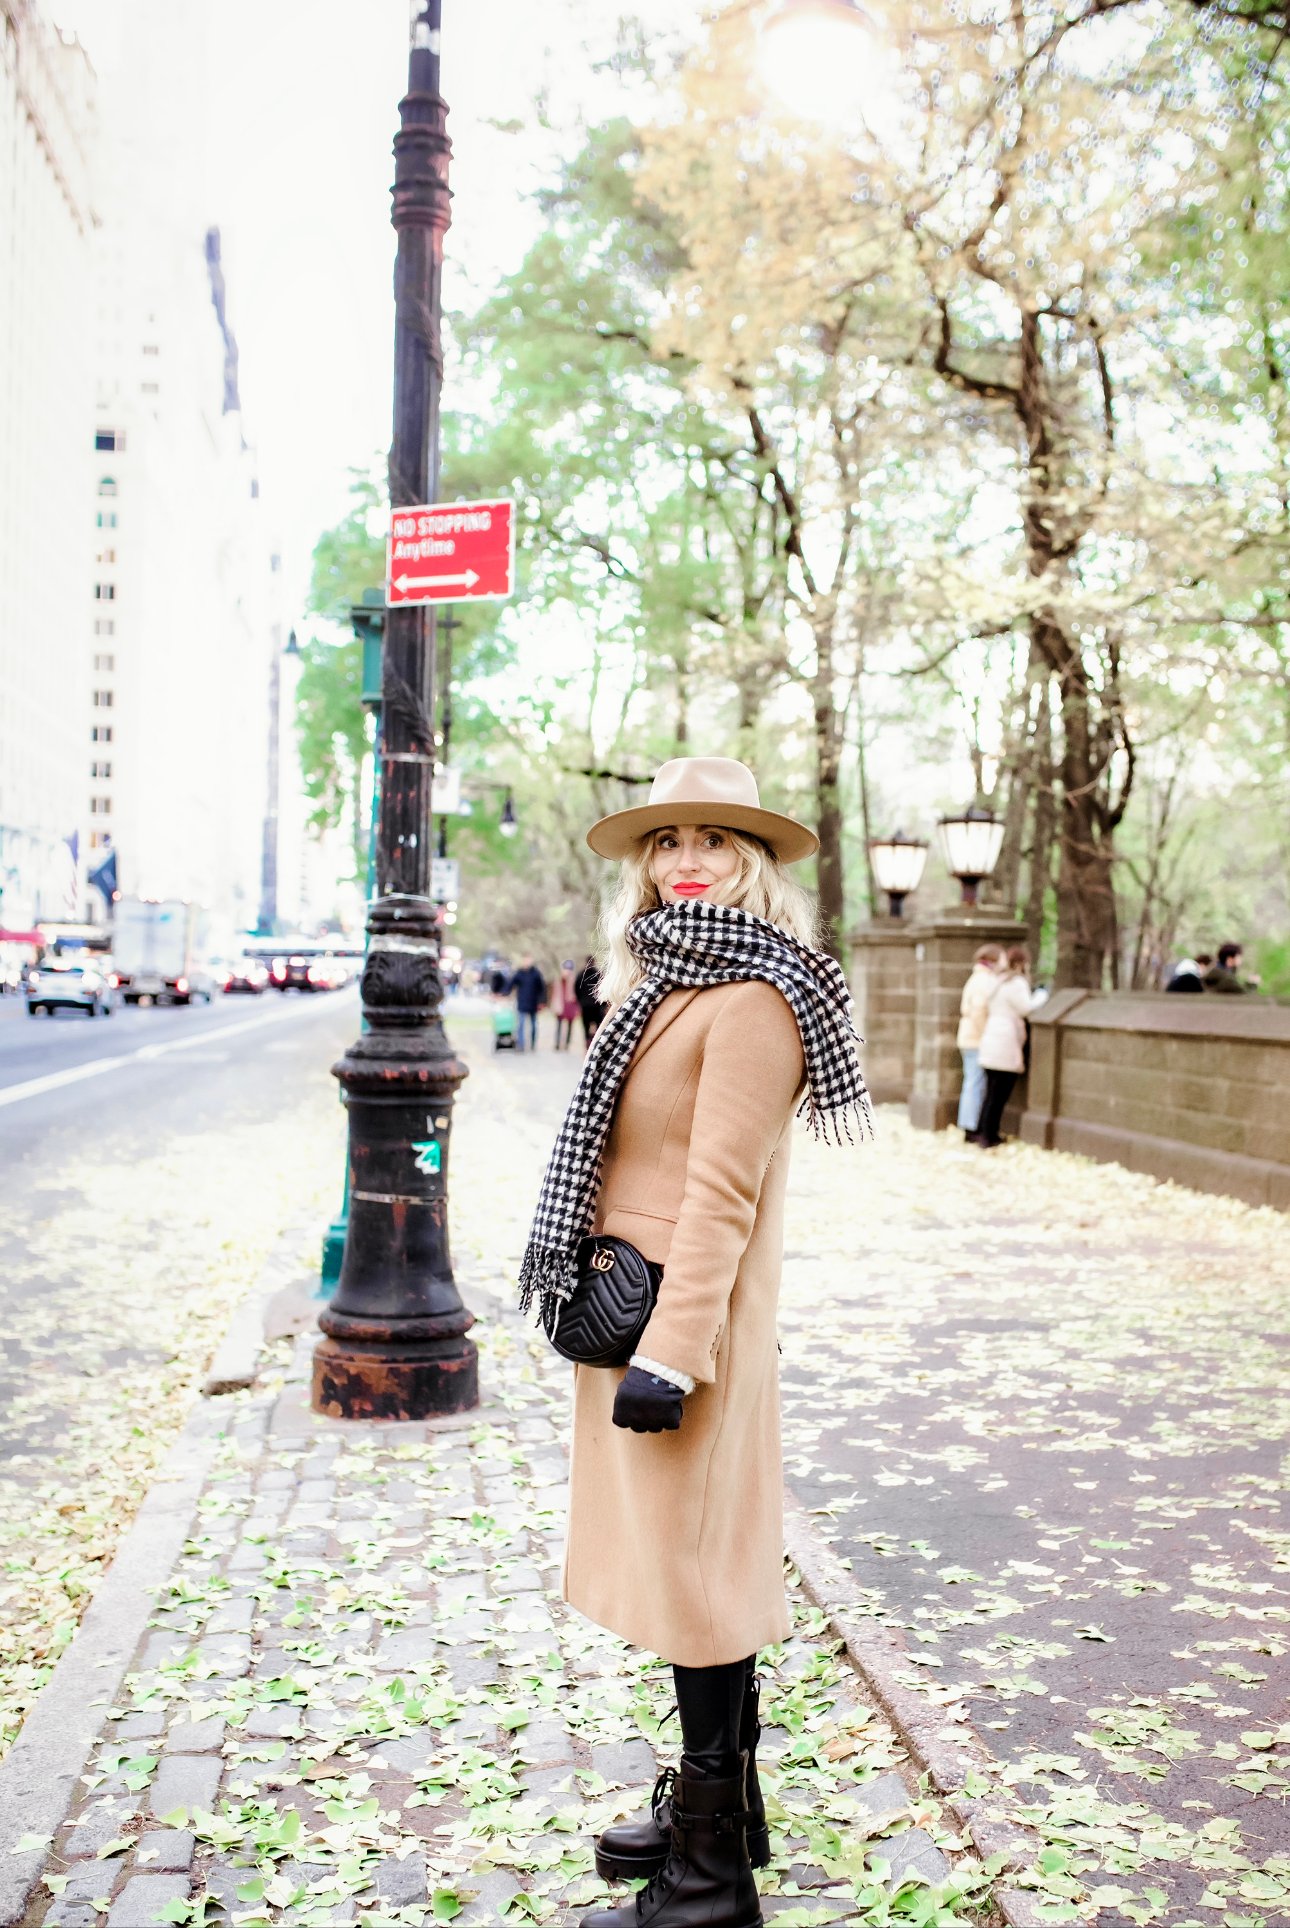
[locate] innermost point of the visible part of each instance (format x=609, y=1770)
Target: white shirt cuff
x=681, y=1380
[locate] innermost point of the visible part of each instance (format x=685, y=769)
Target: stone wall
x=882, y=984
x=1189, y=1088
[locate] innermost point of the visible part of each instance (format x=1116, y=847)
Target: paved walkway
x=1032, y=1407
x=1041, y=1406
x=358, y=1698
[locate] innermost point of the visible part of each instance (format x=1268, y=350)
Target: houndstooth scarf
x=683, y=947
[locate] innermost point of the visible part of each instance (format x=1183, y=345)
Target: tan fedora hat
x=703, y=789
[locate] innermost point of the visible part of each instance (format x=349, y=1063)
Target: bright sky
x=295, y=105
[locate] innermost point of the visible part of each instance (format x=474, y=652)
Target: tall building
x=47, y=119
x=175, y=751
x=183, y=595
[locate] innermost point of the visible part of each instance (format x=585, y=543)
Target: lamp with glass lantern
x=897, y=867
x=970, y=843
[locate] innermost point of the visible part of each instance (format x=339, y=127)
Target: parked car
x=78, y=985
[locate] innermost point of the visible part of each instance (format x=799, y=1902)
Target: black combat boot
x=706, y=1880
x=636, y=1849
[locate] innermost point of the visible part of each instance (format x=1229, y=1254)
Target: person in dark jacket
x=1189, y=973
x=1225, y=975
x=529, y=987
x=586, y=988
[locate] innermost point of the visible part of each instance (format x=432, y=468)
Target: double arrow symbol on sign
x=467, y=581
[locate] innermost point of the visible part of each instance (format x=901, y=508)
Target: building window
x=109, y=439
x=100, y=733
x=149, y=388
x=101, y=770
x=105, y=625
x=151, y=348
x=107, y=556
x=100, y=839
x=103, y=700
x=105, y=592
x=107, y=485
x=106, y=518
x=100, y=806
x=105, y=663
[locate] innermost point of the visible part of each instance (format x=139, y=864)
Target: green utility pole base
x=368, y=619
x=333, y=1253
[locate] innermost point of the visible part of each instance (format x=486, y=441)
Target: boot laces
x=663, y=1787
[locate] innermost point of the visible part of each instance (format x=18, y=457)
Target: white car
x=77, y=984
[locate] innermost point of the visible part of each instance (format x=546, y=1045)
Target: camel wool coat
x=675, y=1539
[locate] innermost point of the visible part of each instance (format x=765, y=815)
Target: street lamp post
x=396, y=1344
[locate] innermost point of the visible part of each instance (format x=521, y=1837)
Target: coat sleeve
x=749, y=1076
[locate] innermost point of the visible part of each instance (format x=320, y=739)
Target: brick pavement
x=358, y=1699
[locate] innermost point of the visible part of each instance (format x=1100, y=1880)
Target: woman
x=1002, y=1050
x=565, y=1001
x=973, y=1005
x=724, y=1020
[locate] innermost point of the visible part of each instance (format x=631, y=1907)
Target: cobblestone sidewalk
x=360, y=1701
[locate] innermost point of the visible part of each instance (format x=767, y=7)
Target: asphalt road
x=105, y=1126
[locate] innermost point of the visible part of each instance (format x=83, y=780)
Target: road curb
x=235, y=1363
x=39, y=1775
x=945, y=1752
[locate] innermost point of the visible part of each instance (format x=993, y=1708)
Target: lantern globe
x=898, y=863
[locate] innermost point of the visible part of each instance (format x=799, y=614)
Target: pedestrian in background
x=725, y=1020
x=1224, y=976
x=1188, y=974
x=529, y=988
x=973, y=1005
x=1002, y=1050
x=566, y=1005
x=587, y=991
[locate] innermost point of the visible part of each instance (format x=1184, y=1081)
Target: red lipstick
x=689, y=890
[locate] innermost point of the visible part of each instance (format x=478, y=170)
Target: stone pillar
x=943, y=949
x=882, y=984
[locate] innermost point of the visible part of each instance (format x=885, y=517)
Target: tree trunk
x=1021, y=766
x=1086, y=920
x=1085, y=902
x=862, y=770
x=828, y=770
x=1043, y=822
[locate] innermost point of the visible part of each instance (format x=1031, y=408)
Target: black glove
x=646, y=1404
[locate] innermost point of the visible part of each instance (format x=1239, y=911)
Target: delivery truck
x=159, y=951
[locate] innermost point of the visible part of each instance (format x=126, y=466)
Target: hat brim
x=616, y=835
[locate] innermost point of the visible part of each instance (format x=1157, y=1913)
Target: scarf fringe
x=546, y=1273
x=830, y=1123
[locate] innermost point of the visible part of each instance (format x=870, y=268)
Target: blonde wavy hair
x=761, y=885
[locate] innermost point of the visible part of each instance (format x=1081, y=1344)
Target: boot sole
x=616, y=1867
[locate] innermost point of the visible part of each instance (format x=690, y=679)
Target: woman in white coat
x=1001, y=1053
x=973, y=1006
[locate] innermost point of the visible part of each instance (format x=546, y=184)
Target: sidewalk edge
x=946, y=1754
x=38, y=1776
x=235, y=1363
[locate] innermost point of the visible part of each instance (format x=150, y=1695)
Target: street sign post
x=446, y=796
x=451, y=552
x=445, y=880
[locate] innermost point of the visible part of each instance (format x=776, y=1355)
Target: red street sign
x=448, y=551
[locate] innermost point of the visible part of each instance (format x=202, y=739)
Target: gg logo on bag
x=602, y=1259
